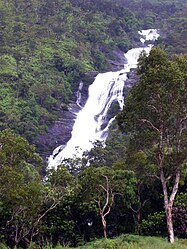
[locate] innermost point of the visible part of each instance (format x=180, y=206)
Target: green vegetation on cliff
x=46, y=48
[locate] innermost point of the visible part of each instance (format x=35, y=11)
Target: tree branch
x=175, y=187
x=168, y=178
x=150, y=124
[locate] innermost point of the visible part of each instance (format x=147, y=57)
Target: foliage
x=168, y=16
x=19, y=182
x=25, y=199
x=106, y=187
x=121, y=181
x=45, y=51
x=127, y=241
x=153, y=103
x=154, y=225
x=180, y=214
x=153, y=111
x=112, y=153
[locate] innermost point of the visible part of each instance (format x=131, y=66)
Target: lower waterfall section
x=92, y=121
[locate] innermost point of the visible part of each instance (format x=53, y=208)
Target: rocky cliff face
x=60, y=132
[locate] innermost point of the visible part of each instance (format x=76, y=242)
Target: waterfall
x=91, y=123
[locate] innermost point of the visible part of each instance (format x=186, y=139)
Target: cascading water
x=90, y=124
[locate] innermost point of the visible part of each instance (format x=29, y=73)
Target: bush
x=154, y=225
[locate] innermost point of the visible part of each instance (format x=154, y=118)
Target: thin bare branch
x=110, y=205
x=183, y=119
x=103, y=187
x=175, y=187
x=168, y=178
x=154, y=108
x=150, y=124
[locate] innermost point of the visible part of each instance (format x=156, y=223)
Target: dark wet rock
x=60, y=132
x=118, y=60
x=132, y=79
x=112, y=112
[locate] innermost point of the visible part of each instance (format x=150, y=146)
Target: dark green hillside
x=46, y=47
x=170, y=16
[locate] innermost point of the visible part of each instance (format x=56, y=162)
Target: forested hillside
x=46, y=48
x=168, y=15
x=137, y=182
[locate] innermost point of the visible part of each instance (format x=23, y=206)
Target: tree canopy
x=155, y=117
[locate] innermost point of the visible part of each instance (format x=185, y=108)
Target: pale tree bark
x=168, y=202
x=164, y=142
x=169, y=199
x=104, y=227
x=33, y=231
x=109, y=200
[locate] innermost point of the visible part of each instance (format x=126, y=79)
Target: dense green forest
x=47, y=47
x=137, y=182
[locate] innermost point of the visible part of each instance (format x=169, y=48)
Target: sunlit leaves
x=8, y=66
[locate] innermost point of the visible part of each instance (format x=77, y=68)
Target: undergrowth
x=125, y=241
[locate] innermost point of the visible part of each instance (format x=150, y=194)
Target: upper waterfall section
x=93, y=121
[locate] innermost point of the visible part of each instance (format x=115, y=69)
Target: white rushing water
x=107, y=88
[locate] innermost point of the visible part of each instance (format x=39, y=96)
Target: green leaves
x=61, y=180
x=27, y=198
x=8, y=66
x=15, y=150
x=157, y=109
x=121, y=182
x=158, y=97
x=154, y=225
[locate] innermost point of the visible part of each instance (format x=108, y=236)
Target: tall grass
x=134, y=242
x=125, y=241
x=130, y=242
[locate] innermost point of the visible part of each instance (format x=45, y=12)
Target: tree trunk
x=168, y=210
x=139, y=220
x=104, y=227
x=168, y=201
x=169, y=223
